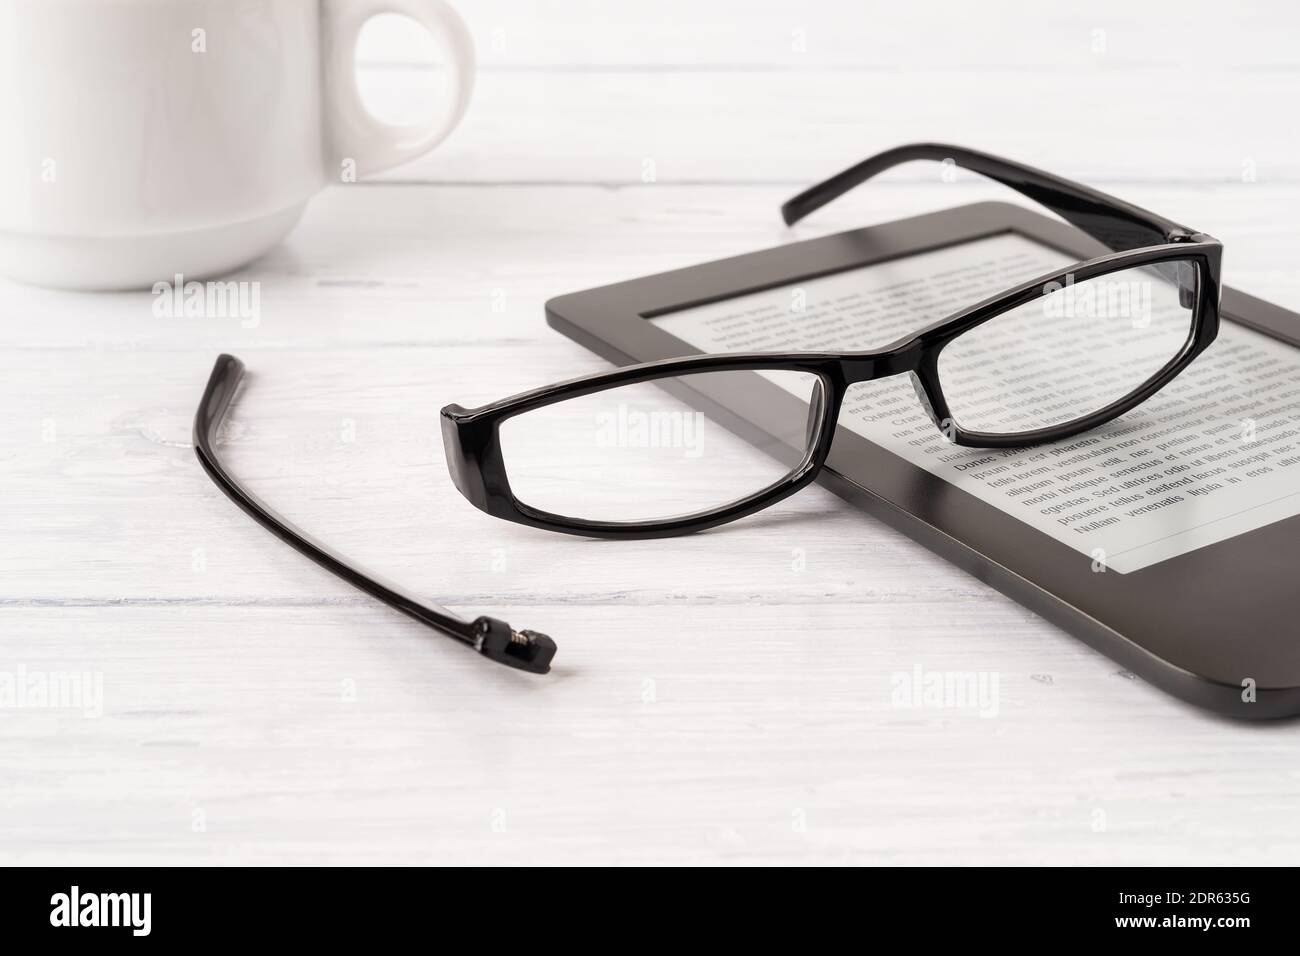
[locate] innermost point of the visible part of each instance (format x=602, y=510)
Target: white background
x=722, y=698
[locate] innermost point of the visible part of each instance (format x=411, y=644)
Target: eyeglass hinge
x=525, y=650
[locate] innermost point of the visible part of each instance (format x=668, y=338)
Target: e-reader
x=1168, y=539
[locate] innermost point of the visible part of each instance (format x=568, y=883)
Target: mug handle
x=354, y=133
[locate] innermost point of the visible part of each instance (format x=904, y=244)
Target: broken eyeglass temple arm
x=495, y=639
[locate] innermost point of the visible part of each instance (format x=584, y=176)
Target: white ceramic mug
x=144, y=138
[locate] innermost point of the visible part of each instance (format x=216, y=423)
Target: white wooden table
x=722, y=698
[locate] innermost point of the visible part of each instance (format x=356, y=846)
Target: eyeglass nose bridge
x=923, y=397
x=908, y=358
x=895, y=359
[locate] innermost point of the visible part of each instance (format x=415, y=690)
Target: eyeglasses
x=611, y=455
x=686, y=444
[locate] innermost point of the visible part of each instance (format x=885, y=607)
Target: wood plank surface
x=732, y=697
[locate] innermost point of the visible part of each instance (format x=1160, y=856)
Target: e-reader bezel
x=1215, y=626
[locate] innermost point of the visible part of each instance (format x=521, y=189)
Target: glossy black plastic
x=495, y=639
x=1139, y=238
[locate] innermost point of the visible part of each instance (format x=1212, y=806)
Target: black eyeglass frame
x=471, y=437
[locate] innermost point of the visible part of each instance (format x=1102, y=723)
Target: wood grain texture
x=730, y=697
x=1200, y=36
x=796, y=128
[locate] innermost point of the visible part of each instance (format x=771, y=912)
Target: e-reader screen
x=1213, y=455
